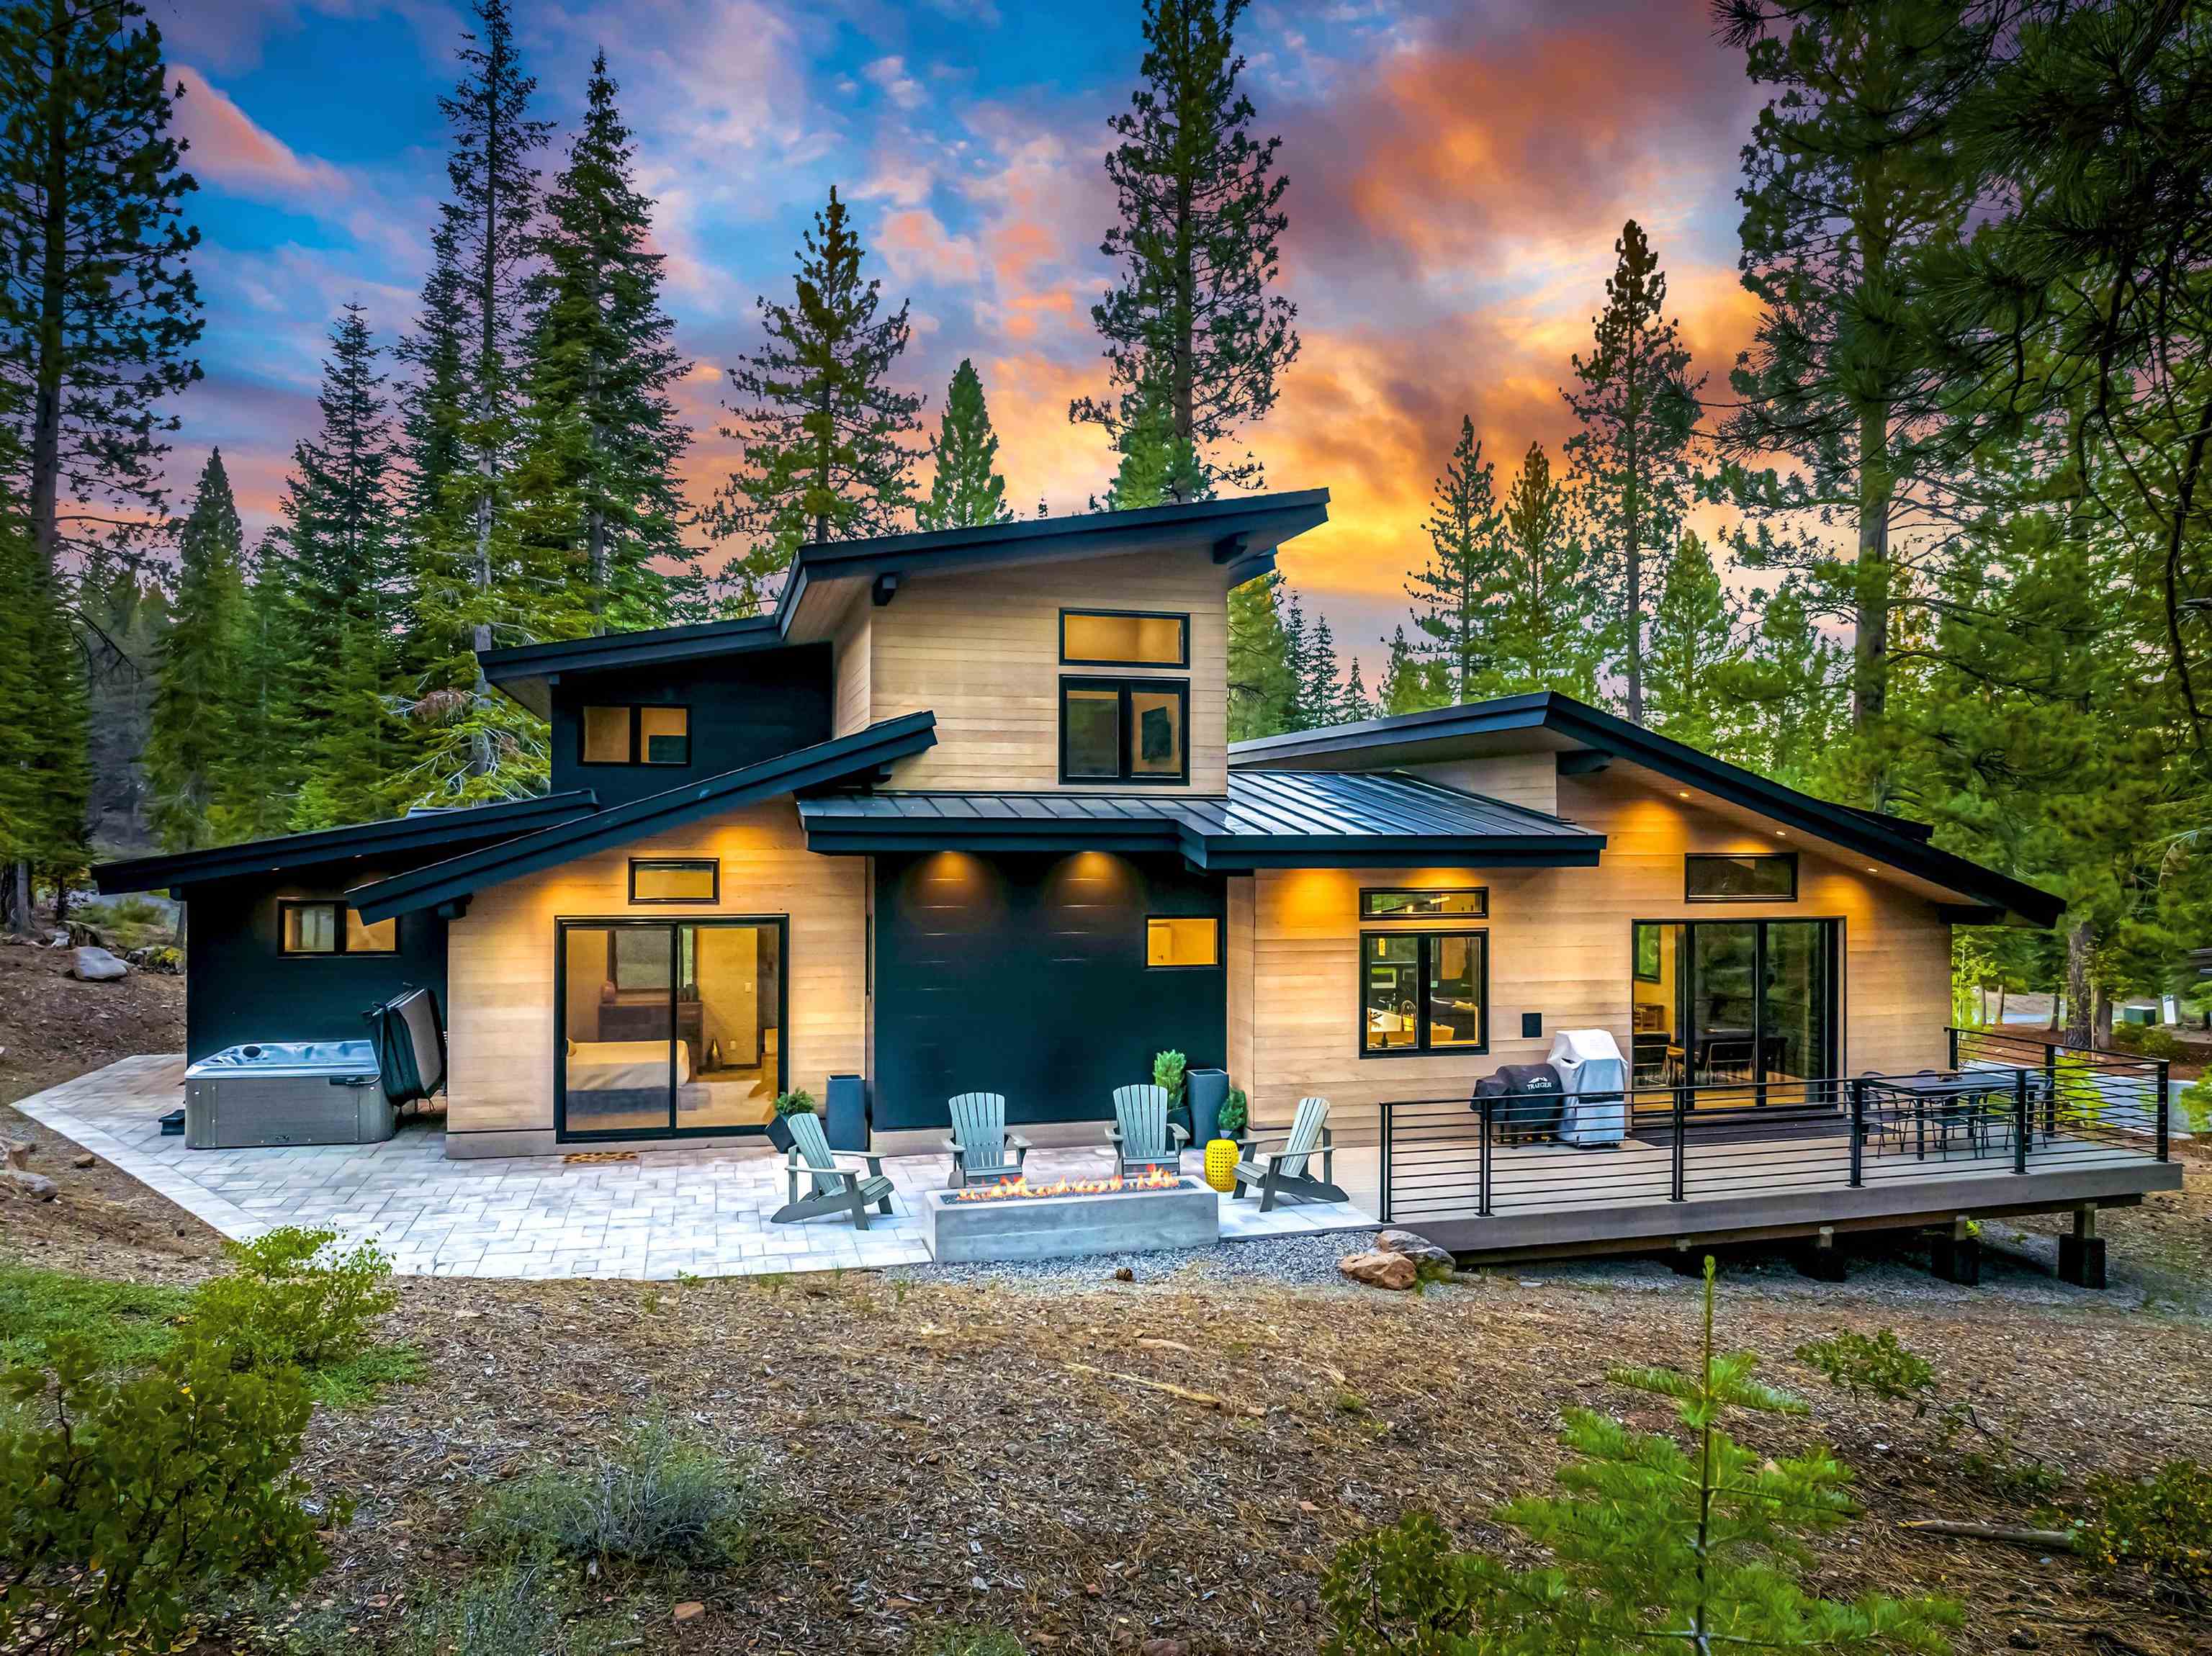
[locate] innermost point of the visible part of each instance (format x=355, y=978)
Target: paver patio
x=702, y=1212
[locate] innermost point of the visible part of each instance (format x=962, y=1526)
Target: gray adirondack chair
x=1141, y=1135
x=830, y=1188
x=1287, y=1172
x=980, y=1145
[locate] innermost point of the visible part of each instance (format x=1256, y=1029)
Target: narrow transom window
x=1116, y=638
x=675, y=879
x=1753, y=877
x=1454, y=902
x=635, y=735
x=1178, y=942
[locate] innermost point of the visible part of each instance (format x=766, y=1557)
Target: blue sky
x=1458, y=174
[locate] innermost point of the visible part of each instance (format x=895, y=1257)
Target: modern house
x=963, y=813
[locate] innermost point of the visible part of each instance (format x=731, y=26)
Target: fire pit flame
x=1020, y=1188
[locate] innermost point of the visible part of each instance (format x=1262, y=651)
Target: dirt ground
x=999, y=1456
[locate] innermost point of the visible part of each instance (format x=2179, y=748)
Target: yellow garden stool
x=1221, y=1154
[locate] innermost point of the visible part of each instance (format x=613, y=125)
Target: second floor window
x=637, y=735
x=1116, y=638
x=1124, y=730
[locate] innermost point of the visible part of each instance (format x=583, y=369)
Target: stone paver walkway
x=703, y=1212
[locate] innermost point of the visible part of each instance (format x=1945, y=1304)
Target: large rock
x=1418, y=1249
x=1393, y=1271
x=97, y=966
x=36, y=1185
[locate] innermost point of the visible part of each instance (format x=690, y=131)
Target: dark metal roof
x=1447, y=732
x=824, y=763
x=526, y=670
x=1267, y=820
x=419, y=832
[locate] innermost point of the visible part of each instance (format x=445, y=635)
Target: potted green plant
x=1234, y=1116
x=1170, y=1069
x=798, y=1101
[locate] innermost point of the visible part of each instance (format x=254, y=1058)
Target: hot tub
x=287, y=1092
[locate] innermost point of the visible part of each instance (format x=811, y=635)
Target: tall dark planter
x=845, y=1114
x=1206, y=1090
x=779, y=1135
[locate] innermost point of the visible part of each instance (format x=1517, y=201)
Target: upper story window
x=675, y=880
x=1119, y=637
x=1755, y=877
x=1125, y=730
x=637, y=735
x=332, y=928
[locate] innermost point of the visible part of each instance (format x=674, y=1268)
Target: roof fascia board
x=508, y=820
x=459, y=876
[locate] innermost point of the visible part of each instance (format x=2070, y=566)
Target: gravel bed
x=1297, y=1261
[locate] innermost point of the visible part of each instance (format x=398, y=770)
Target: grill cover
x=1589, y=1066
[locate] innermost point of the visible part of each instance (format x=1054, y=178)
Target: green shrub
x=1169, y=1069
x=2162, y=1523
x=968, y=1641
x=127, y=1324
x=1879, y=1366
x=1235, y=1114
x=660, y=1496
x=2147, y=1041
x=130, y=1499
x=798, y=1101
x=516, y=1607
x=290, y=1298
x=129, y=922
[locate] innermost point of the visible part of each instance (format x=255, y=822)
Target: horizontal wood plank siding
x=1520, y=779
x=981, y=651
x=1560, y=944
x=499, y=958
x=850, y=706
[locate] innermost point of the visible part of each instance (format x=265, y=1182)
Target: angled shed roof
x=1545, y=719
x=824, y=763
x=1336, y=819
x=418, y=834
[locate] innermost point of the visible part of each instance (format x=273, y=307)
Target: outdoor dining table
x=1944, y=1094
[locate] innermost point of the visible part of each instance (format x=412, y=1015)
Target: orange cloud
x=917, y=247
x=228, y=149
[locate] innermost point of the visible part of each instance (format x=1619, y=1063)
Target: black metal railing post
x=1385, y=1214
x=1680, y=1135
x=1953, y=1034
x=2022, y=1124
x=1482, y=1161
x=2050, y=1090
x=1858, y=1133
x=2164, y=1112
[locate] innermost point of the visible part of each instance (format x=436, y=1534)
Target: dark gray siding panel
x=745, y=708
x=239, y=988
x=1025, y=975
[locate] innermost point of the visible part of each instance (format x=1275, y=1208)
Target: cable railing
x=1999, y=1107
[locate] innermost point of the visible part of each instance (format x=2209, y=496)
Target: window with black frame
x=1424, y=992
x=318, y=927
x=1125, y=730
x=1744, y=877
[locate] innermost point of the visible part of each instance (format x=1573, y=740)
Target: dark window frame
x=712, y=864
x=1180, y=688
x=1425, y=967
x=1181, y=664
x=1834, y=1003
x=338, y=950
x=1220, y=944
x=1690, y=860
x=635, y=709
x=1367, y=914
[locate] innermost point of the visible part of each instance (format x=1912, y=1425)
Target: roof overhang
x=420, y=834
x=528, y=672
x=1545, y=719
x=825, y=764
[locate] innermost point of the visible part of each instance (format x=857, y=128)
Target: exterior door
x=1722, y=1002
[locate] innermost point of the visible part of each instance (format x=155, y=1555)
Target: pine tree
x=1790, y=689
x=261, y=788
x=1655, y=1544
x=1321, y=697
x=821, y=426
x=967, y=489
x=1548, y=632
x=1156, y=466
x=1262, y=683
x=195, y=733
x=1449, y=593
x=1637, y=406
x=1694, y=651
x=1410, y=683
x=99, y=315
x=474, y=585
x=596, y=489
x=1194, y=341
x=1357, y=704
x=123, y=608
x=1851, y=185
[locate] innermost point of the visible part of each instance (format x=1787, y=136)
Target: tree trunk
x=2081, y=946
x=1633, y=535
x=21, y=920
x=2104, y=1024
x=1870, y=640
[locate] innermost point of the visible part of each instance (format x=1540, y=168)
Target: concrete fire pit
x=1186, y=1214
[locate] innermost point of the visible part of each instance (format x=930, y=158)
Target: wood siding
x=1520, y=779
x=1560, y=944
x=499, y=958
x=850, y=707
x=981, y=651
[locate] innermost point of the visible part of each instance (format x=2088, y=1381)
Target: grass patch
x=968, y=1642
x=129, y=1324
x=517, y=1608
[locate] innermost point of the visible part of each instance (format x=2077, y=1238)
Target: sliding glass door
x=668, y=1027
x=1719, y=1003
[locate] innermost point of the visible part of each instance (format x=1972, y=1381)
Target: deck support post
x=2081, y=1254
x=1820, y=1258
x=1955, y=1255
x=1685, y=1260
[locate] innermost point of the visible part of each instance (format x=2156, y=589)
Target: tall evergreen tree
x=124, y=608
x=1790, y=692
x=1411, y=684
x=1448, y=591
x=1194, y=340
x=823, y=427
x=1357, y=703
x=195, y=734
x=98, y=319
x=1262, y=681
x=474, y=585
x=1851, y=184
x=967, y=489
x=1549, y=632
x=1637, y=406
x=1694, y=649
x=596, y=489
x=260, y=791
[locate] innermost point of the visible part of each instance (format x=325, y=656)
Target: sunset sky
x=1458, y=173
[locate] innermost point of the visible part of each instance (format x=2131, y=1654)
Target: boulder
x=16, y=1152
x=36, y=1185
x=97, y=966
x=1392, y=1271
x=87, y=1160
x=1418, y=1249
